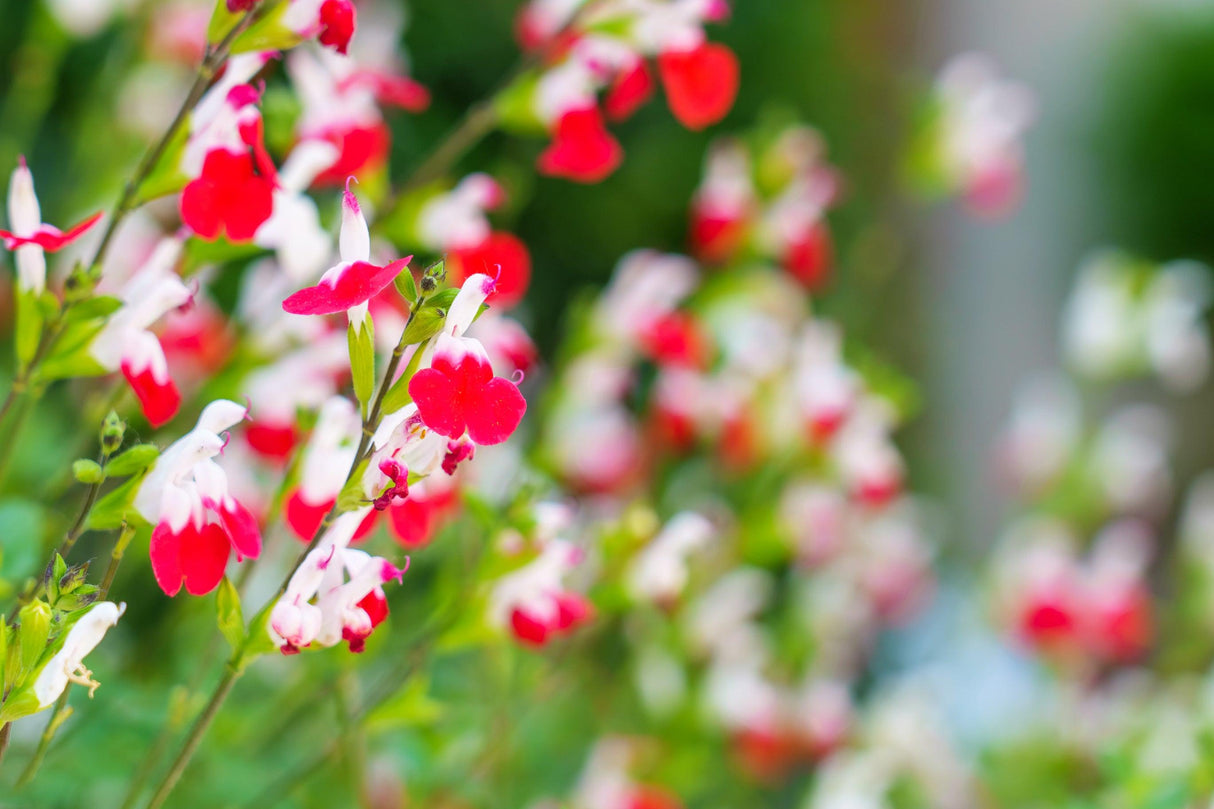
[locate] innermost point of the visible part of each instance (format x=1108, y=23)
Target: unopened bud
x=35, y=619
x=73, y=578
x=87, y=472
x=112, y=432
x=428, y=284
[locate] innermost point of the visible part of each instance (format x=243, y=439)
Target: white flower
x=67, y=666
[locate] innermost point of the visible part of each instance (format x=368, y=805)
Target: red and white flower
x=336, y=594
x=293, y=230
x=331, y=22
x=29, y=238
x=533, y=601
x=126, y=342
x=197, y=523
x=326, y=461
x=349, y=285
x=458, y=393
x=232, y=190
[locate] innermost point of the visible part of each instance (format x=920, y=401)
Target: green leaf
x=87, y=471
x=222, y=21
x=267, y=34
x=29, y=327
x=99, y=306
x=398, y=395
x=230, y=618
x=133, y=460
x=362, y=360
x=443, y=298
x=406, y=286
x=116, y=507
x=411, y=706
x=351, y=496
x=76, y=365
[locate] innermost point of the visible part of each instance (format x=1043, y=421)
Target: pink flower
x=197, y=521
x=458, y=393
x=30, y=238
x=348, y=286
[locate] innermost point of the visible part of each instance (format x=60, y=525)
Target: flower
x=458, y=392
x=293, y=229
x=126, y=343
x=67, y=665
x=582, y=149
x=701, y=83
x=197, y=521
x=533, y=601
x=349, y=285
x=30, y=238
x=329, y=455
x=659, y=572
x=347, y=587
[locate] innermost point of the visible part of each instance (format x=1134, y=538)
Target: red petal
x=376, y=607
x=337, y=20
x=438, y=402
x=305, y=518
x=199, y=207
x=502, y=255
x=809, y=260
x=494, y=412
x=528, y=629
x=228, y=196
x=573, y=608
x=159, y=401
x=242, y=530
x=629, y=92
x=165, y=555
x=582, y=149
x=203, y=558
x=275, y=443
x=359, y=283
x=701, y=84
x=51, y=238
x=363, y=149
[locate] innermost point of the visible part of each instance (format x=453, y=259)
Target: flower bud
x=112, y=432
x=88, y=472
x=428, y=284
x=35, y=619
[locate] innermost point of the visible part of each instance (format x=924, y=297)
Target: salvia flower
x=126, y=342
x=458, y=393
x=198, y=523
x=326, y=461
x=67, y=665
x=351, y=284
x=28, y=236
x=533, y=601
x=335, y=595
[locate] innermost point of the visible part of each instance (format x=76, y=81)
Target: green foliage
x=361, y=341
x=230, y=618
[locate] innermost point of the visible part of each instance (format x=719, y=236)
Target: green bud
x=112, y=432
x=80, y=283
x=428, y=284
x=73, y=578
x=87, y=471
x=35, y=619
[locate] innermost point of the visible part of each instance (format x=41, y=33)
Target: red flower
x=159, y=399
x=227, y=196
x=582, y=149
x=676, y=339
x=353, y=284
x=459, y=392
x=629, y=92
x=197, y=555
x=415, y=520
x=361, y=149
x=501, y=255
x=701, y=84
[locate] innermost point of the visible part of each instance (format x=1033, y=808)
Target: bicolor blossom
x=126, y=343
x=351, y=284
x=327, y=459
x=458, y=392
x=67, y=664
x=331, y=22
x=28, y=237
x=336, y=594
x=534, y=603
x=197, y=522
x=293, y=230
x=231, y=192
x=700, y=78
